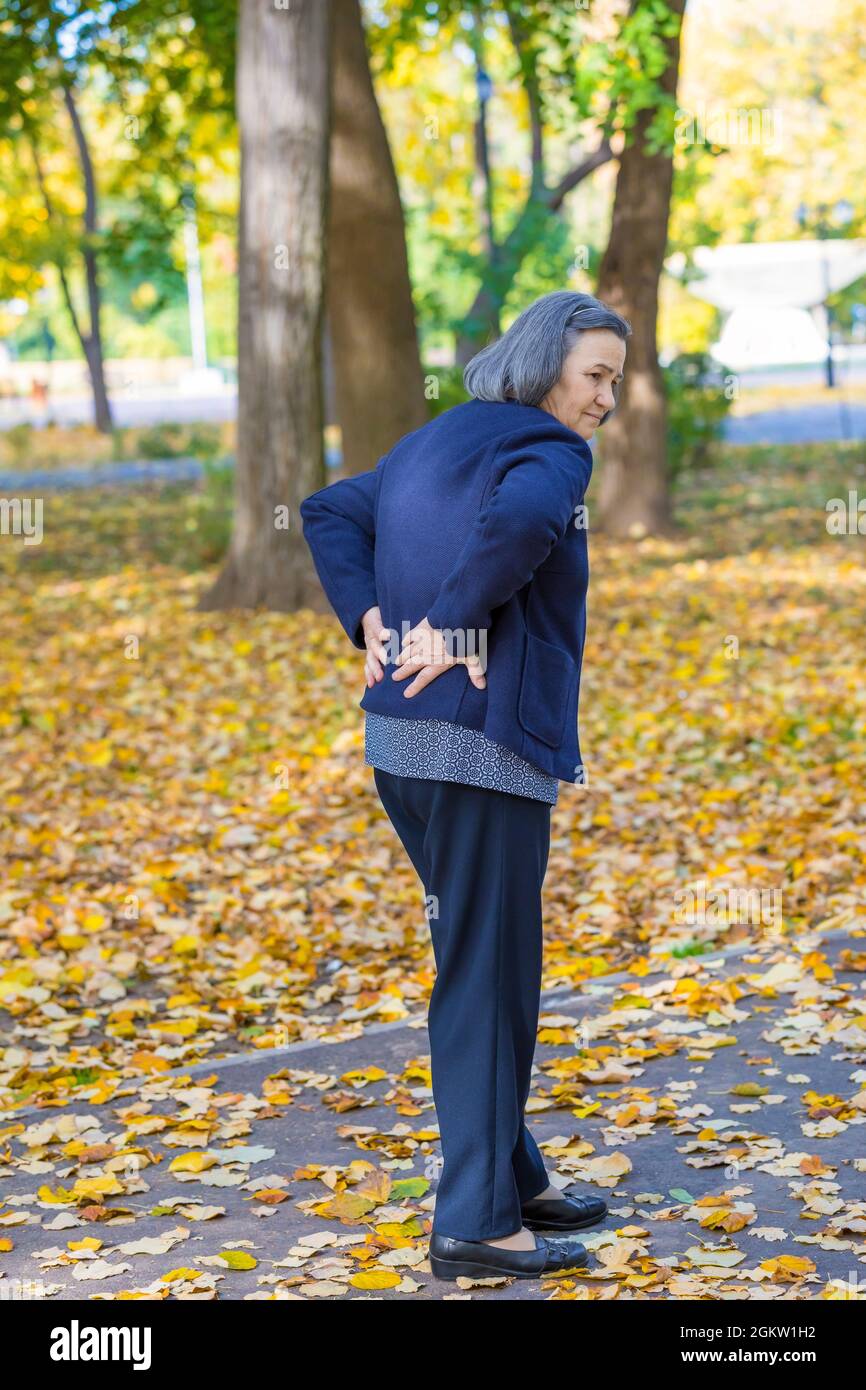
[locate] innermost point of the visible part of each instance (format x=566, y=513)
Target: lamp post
x=820, y=222
x=194, y=288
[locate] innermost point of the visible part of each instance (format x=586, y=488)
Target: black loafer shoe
x=563, y=1213
x=475, y=1259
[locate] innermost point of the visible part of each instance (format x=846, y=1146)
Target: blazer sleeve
x=526, y=514
x=339, y=528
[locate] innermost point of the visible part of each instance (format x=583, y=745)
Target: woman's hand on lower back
x=374, y=636
x=425, y=656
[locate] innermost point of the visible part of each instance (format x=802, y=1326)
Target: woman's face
x=584, y=392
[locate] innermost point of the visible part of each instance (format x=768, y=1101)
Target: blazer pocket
x=545, y=686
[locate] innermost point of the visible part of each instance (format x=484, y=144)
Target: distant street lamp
x=485, y=86
x=483, y=176
x=819, y=221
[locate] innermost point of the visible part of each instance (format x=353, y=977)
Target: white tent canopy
x=767, y=289
x=769, y=338
x=789, y=274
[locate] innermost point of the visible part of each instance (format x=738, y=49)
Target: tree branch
x=86, y=161
x=58, y=260
x=578, y=173
x=90, y=220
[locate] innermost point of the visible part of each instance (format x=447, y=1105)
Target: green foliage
x=152, y=85
x=203, y=442
x=690, y=948
x=548, y=264
x=161, y=442
x=169, y=441
x=845, y=315
x=136, y=251
x=209, y=520
x=696, y=410
x=19, y=440
x=628, y=72
x=449, y=383
x=184, y=526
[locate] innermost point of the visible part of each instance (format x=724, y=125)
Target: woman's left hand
x=375, y=635
x=423, y=654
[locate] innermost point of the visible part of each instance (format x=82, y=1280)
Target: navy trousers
x=481, y=856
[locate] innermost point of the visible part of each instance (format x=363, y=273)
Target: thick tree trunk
x=92, y=347
x=378, y=378
x=282, y=96
x=634, y=486
x=91, y=343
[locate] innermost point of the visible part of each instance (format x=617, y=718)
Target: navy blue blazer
x=476, y=522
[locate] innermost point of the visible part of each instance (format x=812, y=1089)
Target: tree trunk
x=634, y=485
x=91, y=343
x=282, y=96
x=378, y=377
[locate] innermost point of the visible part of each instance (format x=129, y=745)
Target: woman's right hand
x=425, y=656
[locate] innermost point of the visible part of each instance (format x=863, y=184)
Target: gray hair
x=527, y=361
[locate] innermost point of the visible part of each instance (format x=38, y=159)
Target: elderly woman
x=459, y=565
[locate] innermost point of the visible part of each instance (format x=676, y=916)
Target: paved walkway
x=807, y=424
x=303, y=1150
x=101, y=475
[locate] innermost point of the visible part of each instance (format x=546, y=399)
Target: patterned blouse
x=434, y=748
